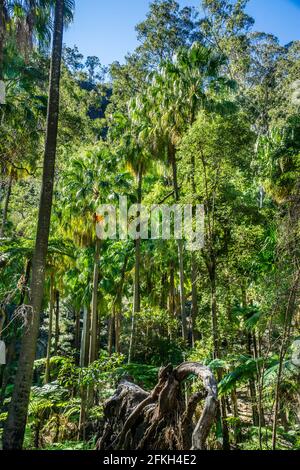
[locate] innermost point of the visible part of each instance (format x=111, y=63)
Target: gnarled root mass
x=161, y=419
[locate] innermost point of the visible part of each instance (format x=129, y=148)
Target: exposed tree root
x=135, y=419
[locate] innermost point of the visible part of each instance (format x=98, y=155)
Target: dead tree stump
x=160, y=420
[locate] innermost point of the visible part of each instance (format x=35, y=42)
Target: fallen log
x=160, y=420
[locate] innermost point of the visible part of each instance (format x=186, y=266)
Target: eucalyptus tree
x=16, y=421
x=219, y=145
x=166, y=28
x=225, y=27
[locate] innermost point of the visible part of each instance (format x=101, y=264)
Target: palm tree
x=83, y=186
x=138, y=149
x=51, y=308
x=178, y=91
x=15, y=425
x=2, y=38
x=89, y=182
x=28, y=20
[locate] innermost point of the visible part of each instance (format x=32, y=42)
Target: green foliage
x=70, y=445
x=168, y=125
x=143, y=375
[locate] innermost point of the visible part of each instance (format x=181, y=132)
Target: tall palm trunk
x=193, y=260
x=214, y=315
x=172, y=295
x=118, y=328
x=2, y=38
x=194, y=300
x=94, y=316
x=172, y=159
x=84, y=362
x=111, y=331
x=16, y=421
x=136, y=288
x=51, y=308
x=118, y=306
x=2, y=181
x=56, y=336
x=85, y=338
x=6, y=204
x=77, y=335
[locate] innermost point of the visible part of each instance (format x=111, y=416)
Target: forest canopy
x=143, y=343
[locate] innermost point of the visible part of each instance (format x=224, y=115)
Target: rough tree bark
x=57, y=332
x=6, y=205
x=15, y=425
x=139, y=420
x=49, y=342
x=2, y=39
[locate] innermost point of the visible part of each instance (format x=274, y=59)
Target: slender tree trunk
x=82, y=416
x=136, y=297
x=77, y=335
x=85, y=339
x=237, y=432
x=215, y=330
x=15, y=425
x=84, y=362
x=111, y=331
x=193, y=261
x=6, y=204
x=49, y=344
x=194, y=300
x=172, y=159
x=136, y=288
x=94, y=307
x=182, y=291
x=163, y=301
x=252, y=386
x=2, y=181
x=172, y=306
x=2, y=39
x=260, y=387
x=118, y=329
x=56, y=337
x=118, y=306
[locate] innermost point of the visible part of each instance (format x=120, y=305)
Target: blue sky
x=105, y=28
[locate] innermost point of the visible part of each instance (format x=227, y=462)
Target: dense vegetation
x=204, y=111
